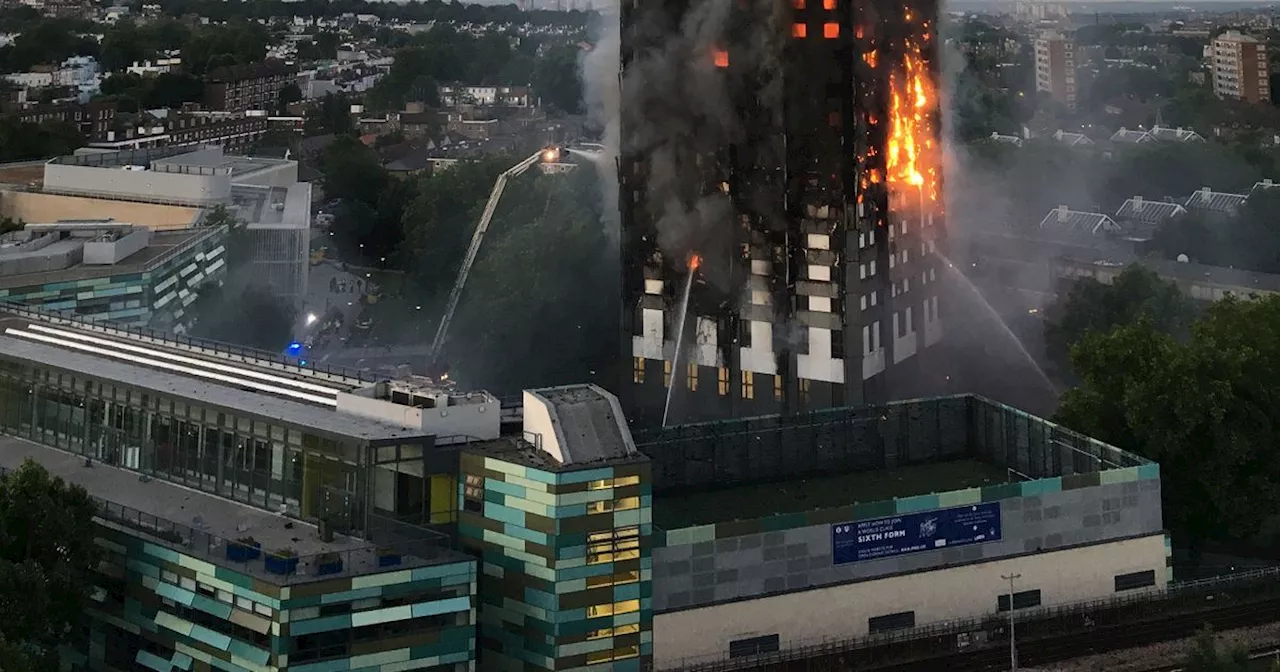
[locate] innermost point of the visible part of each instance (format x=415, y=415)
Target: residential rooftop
x=206, y=522
x=1215, y=201
x=1063, y=218
x=1145, y=210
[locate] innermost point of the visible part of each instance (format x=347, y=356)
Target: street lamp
x=1013, y=640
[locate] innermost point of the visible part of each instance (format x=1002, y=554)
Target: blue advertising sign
x=915, y=532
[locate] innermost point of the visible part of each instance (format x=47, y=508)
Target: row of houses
x=1140, y=214
x=1124, y=136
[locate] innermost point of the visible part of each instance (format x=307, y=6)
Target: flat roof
x=198, y=390
x=162, y=242
x=516, y=450
x=207, y=513
x=679, y=510
x=171, y=158
x=22, y=174
x=589, y=423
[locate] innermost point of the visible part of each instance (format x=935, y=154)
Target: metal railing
x=198, y=235
x=246, y=354
x=954, y=636
x=277, y=565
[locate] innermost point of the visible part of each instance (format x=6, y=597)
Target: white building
x=157, y=67
x=263, y=193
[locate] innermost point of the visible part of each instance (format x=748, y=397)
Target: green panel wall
x=566, y=567
x=157, y=608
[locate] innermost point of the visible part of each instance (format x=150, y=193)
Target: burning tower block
x=795, y=148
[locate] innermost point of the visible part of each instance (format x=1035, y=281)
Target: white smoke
x=600, y=68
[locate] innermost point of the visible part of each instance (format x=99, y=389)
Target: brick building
x=246, y=87
x=94, y=119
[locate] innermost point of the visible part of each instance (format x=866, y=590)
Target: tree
x=1207, y=657
x=239, y=42
x=1091, y=306
x=556, y=79
x=540, y=292
x=1189, y=234
x=439, y=221
x=1202, y=408
x=22, y=141
x=166, y=90
x=331, y=116
x=352, y=172
x=288, y=95
x=48, y=560
x=47, y=41
x=327, y=44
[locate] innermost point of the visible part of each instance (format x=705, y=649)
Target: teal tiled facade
x=159, y=609
x=566, y=578
x=156, y=295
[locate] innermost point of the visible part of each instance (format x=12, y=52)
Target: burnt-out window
x=899, y=621
x=753, y=646
x=1021, y=600
x=1135, y=580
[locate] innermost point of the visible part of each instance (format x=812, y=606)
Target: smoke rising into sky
x=600, y=92
x=676, y=105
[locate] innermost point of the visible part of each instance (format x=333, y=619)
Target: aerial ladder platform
x=550, y=154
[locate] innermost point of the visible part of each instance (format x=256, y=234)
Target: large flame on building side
x=912, y=160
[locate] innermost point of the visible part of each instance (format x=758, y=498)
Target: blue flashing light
x=295, y=348
x=302, y=362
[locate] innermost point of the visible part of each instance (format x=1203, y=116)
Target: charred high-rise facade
x=779, y=163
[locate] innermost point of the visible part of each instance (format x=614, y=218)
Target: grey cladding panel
x=800, y=558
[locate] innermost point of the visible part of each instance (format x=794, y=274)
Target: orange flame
x=721, y=58
x=912, y=149
x=694, y=262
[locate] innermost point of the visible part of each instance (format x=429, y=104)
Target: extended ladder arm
x=473, y=250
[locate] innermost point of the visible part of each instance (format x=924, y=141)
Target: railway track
x=1087, y=642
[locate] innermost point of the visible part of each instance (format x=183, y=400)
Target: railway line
x=1040, y=650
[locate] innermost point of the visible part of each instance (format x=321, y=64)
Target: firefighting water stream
x=675, y=356
x=994, y=314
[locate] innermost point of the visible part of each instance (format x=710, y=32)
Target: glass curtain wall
x=251, y=459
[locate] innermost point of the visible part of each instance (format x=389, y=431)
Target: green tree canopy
x=538, y=292
x=1207, y=656
x=1203, y=408
x=47, y=41
x=48, y=560
x=22, y=141
x=439, y=221
x=1091, y=306
x=332, y=115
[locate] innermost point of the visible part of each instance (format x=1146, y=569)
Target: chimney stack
x=1137, y=204
x=1206, y=194
x=1062, y=213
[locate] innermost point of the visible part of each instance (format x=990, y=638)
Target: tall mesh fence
x=845, y=440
